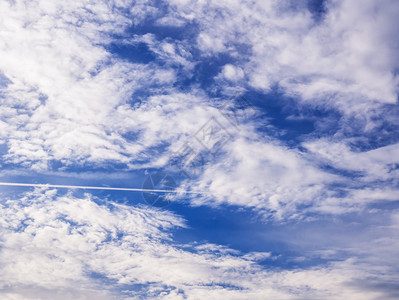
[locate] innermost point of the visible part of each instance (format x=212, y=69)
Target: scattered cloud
x=126, y=85
x=68, y=246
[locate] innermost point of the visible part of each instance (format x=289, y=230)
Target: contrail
x=94, y=188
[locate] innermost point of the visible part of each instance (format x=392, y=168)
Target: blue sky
x=275, y=121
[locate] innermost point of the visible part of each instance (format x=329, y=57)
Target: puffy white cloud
x=232, y=73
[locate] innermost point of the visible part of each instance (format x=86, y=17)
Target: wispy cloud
x=74, y=245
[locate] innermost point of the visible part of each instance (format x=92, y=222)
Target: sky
x=272, y=124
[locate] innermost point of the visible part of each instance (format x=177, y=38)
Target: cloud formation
x=126, y=86
x=71, y=246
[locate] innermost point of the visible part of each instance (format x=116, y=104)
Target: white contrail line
x=94, y=188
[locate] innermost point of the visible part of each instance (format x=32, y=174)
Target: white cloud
x=51, y=245
x=66, y=98
x=64, y=88
x=344, y=60
x=232, y=73
x=263, y=175
x=376, y=164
